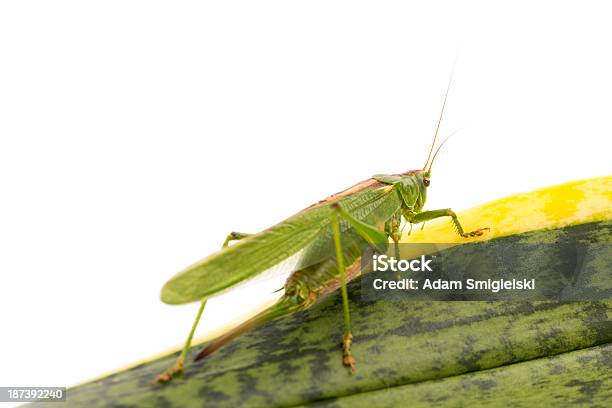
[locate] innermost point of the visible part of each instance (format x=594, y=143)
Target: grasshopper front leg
x=179, y=365
x=447, y=212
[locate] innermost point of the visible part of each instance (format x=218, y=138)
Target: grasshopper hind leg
x=179, y=365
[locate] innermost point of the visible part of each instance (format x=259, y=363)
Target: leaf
x=575, y=378
x=416, y=353
x=576, y=202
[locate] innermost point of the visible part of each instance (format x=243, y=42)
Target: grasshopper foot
x=476, y=233
x=169, y=374
x=347, y=358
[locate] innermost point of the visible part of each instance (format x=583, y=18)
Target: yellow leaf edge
x=572, y=203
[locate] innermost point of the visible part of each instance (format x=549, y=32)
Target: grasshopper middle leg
x=372, y=236
x=179, y=365
x=347, y=340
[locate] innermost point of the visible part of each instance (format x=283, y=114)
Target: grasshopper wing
x=308, y=232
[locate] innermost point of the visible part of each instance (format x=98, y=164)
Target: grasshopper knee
x=234, y=236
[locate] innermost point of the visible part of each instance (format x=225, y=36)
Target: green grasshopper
x=327, y=237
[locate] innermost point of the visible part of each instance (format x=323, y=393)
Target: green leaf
x=408, y=353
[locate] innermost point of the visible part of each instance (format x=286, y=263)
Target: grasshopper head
x=426, y=177
x=423, y=177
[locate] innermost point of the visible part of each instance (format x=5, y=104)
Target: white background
x=135, y=135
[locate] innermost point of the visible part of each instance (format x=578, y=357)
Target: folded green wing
x=308, y=230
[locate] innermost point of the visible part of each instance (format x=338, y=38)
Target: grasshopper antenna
x=438, y=150
x=433, y=144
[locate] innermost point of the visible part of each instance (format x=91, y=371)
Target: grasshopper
x=327, y=237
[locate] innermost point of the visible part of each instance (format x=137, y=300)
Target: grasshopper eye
x=426, y=181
